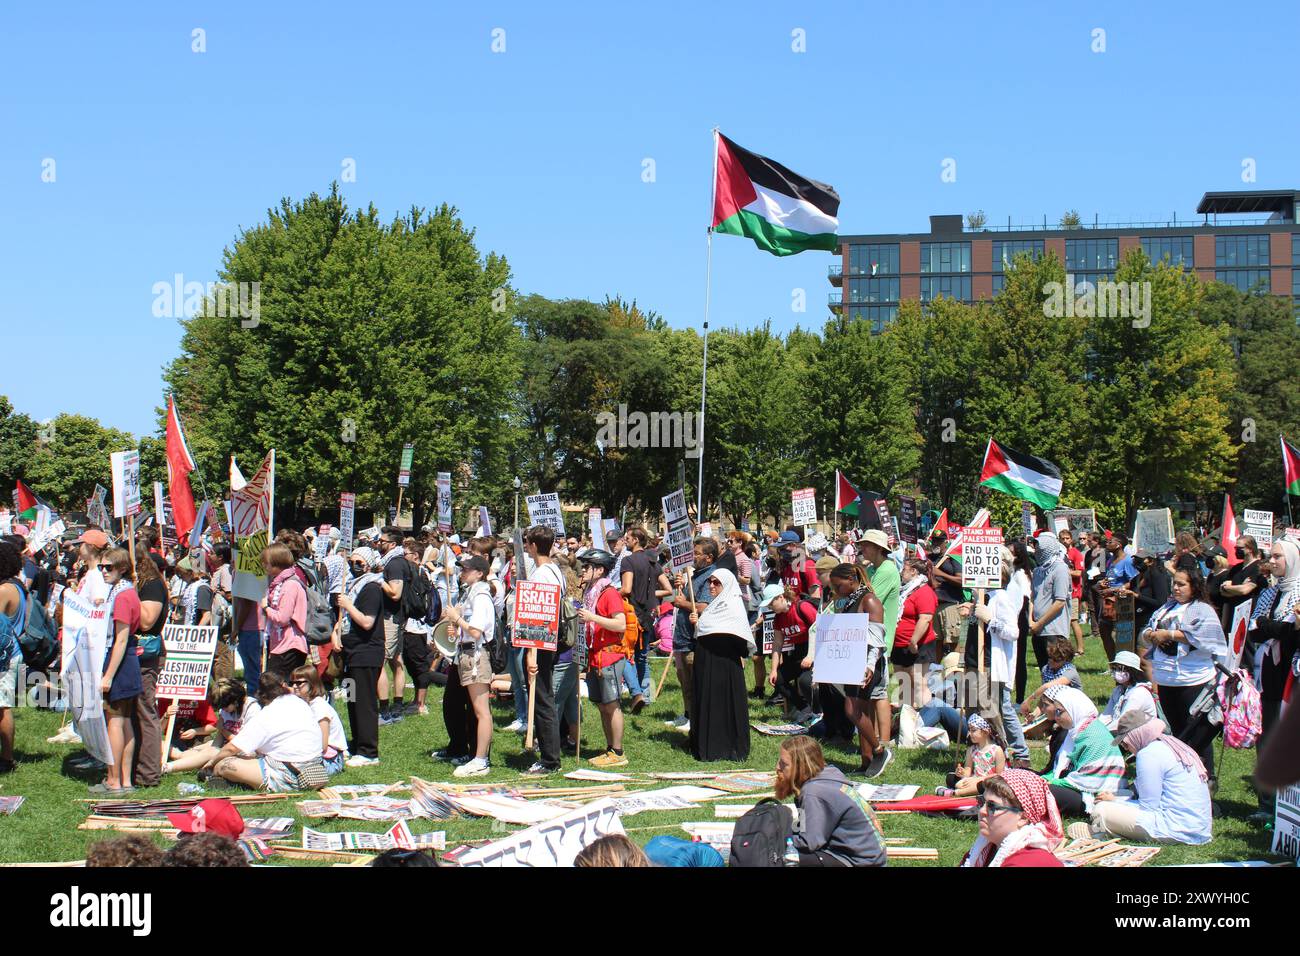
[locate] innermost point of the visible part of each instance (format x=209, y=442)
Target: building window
x=1245, y=280
x=952, y=287
x=1241, y=251
x=1091, y=255
x=1005, y=252
x=999, y=280
x=945, y=257
x=1084, y=279
x=873, y=290
x=878, y=315
x=1295, y=248
x=1177, y=249
x=874, y=259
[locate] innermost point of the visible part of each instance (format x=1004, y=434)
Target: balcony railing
x=1045, y=226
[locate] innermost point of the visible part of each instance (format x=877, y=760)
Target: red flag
x=941, y=524
x=845, y=493
x=179, y=465
x=1228, y=531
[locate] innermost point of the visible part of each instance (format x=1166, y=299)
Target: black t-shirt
x=155, y=590
x=948, y=592
x=365, y=648
x=1240, y=575
x=645, y=572
x=398, y=569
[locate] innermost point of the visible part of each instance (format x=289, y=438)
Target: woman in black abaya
x=720, y=723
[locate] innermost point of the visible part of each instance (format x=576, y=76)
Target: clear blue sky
x=163, y=154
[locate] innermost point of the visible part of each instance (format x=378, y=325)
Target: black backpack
x=38, y=640
x=415, y=597
x=760, y=835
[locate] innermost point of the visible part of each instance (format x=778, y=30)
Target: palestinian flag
x=940, y=524
x=783, y=212
x=1290, y=467
x=26, y=502
x=846, y=496
x=981, y=521
x=1228, y=531
x=1022, y=476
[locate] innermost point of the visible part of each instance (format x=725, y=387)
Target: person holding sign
x=121, y=684
x=539, y=662
x=854, y=595
x=605, y=621
x=791, y=674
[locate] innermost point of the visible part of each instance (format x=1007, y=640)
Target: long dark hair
x=1194, y=578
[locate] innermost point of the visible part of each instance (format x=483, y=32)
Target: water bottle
x=791, y=857
x=187, y=789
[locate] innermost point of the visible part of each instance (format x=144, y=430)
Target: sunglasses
x=105, y=567
x=714, y=583
x=991, y=808
x=301, y=683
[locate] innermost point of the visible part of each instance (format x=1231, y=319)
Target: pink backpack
x=664, y=631
x=1242, y=720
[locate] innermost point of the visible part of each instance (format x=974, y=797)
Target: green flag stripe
x=1020, y=490
x=775, y=239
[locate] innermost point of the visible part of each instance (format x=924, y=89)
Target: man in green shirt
x=874, y=551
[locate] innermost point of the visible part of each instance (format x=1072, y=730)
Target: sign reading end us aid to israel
x=188, y=664
x=981, y=558
x=841, y=653
x=804, y=505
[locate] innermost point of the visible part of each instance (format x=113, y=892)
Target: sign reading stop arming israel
x=981, y=558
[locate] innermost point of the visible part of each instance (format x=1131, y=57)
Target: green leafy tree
x=65, y=470
x=18, y=440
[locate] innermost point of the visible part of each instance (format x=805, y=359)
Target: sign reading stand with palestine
x=804, y=505
x=537, y=614
x=677, y=529
x=188, y=664
x=544, y=509
x=981, y=558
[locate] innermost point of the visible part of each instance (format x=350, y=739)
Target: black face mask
x=1240, y=553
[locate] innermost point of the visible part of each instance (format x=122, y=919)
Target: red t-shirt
x=609, y=604
x=921, y=601
x=802, y=581
x=1031, y=856
x=1075, y=557
x=793, y=625
x=126, y=610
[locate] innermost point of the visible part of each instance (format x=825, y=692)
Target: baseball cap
x=474, y=562
x=1128, y=659
x=210, y=816
x=827, y=563
x=877, y=537
x=771, y=593
x=1143, y=553
x=93, y=537
x=787, y=537
x=454, y=539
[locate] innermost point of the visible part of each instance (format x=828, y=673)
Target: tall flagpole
x=708, y=287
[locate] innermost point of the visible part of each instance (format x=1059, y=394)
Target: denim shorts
x=603, y=685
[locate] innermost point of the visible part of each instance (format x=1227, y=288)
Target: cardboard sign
x=674, y=507
x=544, y=509
x=51, y=532
x=158, y=500
x=188, y=664
x=1237, y=633
x=706, y=529
x=1292, y=534
x=595, y=528
x=804, y=505
x=1026, y=519
x=841, y=653
x=97, y=508
x=537, y=614
x=85, y=642
x=250, y=519
x=322, y=543
x=404, y=472
x=981, y=559
x=1153, y=530
x=1125, y=632
x=680, y=543
x=886, y=522
x=1286, y=823
x=816, y=542
x=484, y=522
x=1077, y=520
x=907, y=518
x=6, y=521
x=444, y=502
x=768, y=636
x=1259, y=525
x=554, y=843
x=347, y=518
x=126, y=483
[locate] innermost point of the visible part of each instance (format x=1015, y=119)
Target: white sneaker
x=518, y=727
x=357, y=760
x=460, y=761
x=474, y=768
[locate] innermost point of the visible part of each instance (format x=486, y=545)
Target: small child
x=984, y=758
x=1058, y=671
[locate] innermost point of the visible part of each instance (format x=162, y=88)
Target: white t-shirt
x=321, y=710
x=479, y=612
x=285, y=730
x=231, y=724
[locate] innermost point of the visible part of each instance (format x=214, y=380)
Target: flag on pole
x=26, y=502
x=179, y=465
x=758, y=198
x=940, y=525
x=1228, y=531
x=846, y=496
x=1290, y=467
x=237, y=480
x=1023, y=476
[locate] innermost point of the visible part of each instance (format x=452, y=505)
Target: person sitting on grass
x=133, y=849
x=1088, y=761
x=196, y=721
x=1173, y=788
x=836, y=826
x=1132, y=690
x=234, y=708
x=279, y=750
x=614, y=850
x=984, y=758
x=1020, y=824
x=1059, y=671
x=334, y=745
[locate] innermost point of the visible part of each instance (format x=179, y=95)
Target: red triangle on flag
x=845, y=493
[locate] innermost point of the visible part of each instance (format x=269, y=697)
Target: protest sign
x=126, y=483
x=816, y=542
x=804, y=505
x=484, y=522
x=1026, y=519
x=595, y=528
x=1237, y=632
x=347, y=516
x=188, y=664
x=6, y=521
x=610, y=525
x=1286, y=823
x=444, y=502
x=677, y=530
x=674, y=507
x=158, y=500
x=97, y=509
x=251, y=519
x=404, y=470
x=769, y=616
x=1077, y=520
x=1293, y=534
x=554, y=843
x=907, y=518
x=537, y=614
x=1125, y=632
x=841, y=653
x=705, y=529
x=544, y=509
x=886, y=522
x=981, y=558
x=1153, y=530
x=41, y=538
x=1259, y=525
x=322, y=543
x=85, y=643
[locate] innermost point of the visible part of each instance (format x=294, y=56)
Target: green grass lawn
x=45, y=828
